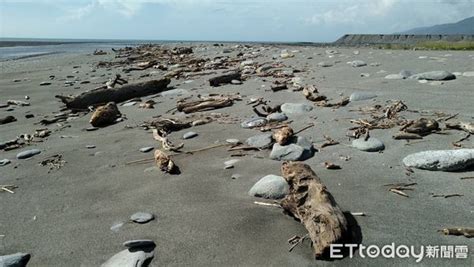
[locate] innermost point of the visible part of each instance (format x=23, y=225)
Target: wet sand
x=203, y=217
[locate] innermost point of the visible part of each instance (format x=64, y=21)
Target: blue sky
x=226, y=20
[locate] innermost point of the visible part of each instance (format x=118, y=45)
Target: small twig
x=401, y=184
x=304, y=129
x=467, y=178
x=206, y=148
x=296, y=240
x=398, y=192
x=267, y=204
x=451, y=117
x=448, y=195
x=8, y=188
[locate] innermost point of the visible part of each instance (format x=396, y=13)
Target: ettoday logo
x=393, y=251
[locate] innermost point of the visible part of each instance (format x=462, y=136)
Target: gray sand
x=203, y=217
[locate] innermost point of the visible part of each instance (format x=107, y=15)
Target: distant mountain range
x=465, y=26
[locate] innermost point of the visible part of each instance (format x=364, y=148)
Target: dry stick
x=465, y=231
x=398, y=192
x=449, y=195
x=296, y=240
x=358, y=214
x=267, y=204
x=466, y=178
x=451, y=117
x=146, y=160
x=304, y=128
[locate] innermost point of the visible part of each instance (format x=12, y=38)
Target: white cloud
x=353, y=12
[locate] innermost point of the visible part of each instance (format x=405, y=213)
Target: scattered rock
x=129, y=104
x=324, y=64
x=7, y=119
x=288, y=152
x=468, y=74
x=130, y=258
x=236, y=176
x=146, y=149
x=90, y=146
x=232, y=141
x=15, y=260
x=371, y=145
x=270, y=186
x=139, y=243
x=441, y=160
x=253, y=122
x=358, y=63
x=230, y=163
x=260, y=141
x=28, y=153
x=394, y=77
x=434, y=76
x=142, y=217
x=45, y=83
x=307, y=146
x=277, y=117
x=189, y=135
x=359, y=96
x=406, y=73
x=296, y=108
x=237, y=82
x=4, y=162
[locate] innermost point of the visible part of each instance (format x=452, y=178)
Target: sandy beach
x=205, y=216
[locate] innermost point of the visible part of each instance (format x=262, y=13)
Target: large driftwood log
x=311, y=204
x=117, y=95
x=225, y=78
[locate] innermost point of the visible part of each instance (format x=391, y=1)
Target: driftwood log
x=117, y=95
x=205, y=104
x=310, y=203
x=225, y=78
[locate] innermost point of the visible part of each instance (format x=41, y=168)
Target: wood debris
x=463, y=231
x=463, y=126
x=55, y=162
x=225, y=78
x=283, y=135
x=8, y=188
x=101, y=96
x=329, y=142
x=105, y=115
x=165, y=163
x=204, y=104
x=311, y=93
x=161, y=136
x=312, y=204
x=331, y=166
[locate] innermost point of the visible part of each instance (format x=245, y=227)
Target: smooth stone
x=236, y=82
x=358, y=63
x=232, y=141
x=45, y=83
x=28, y=153
x=394, y=77
x=139, y=243
x=174, y=92
x=129, y=104
x=129, y=258
x=406, y=73
x=260, y=141
x=230, y=163
x=271, y=187
x=324, y=64
x=277, y=117
x=253, y=122
x=440, y=75
x=90, y=146
x=4, y=162
x=371, y=145
x=189, y=135
x=441, y=160
x=236, y=176
x=146, y=149
x=142, y=217
x=359, y=96
x=288, y=152
x=295, y=108
x=468, y=74
x=15, y=260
